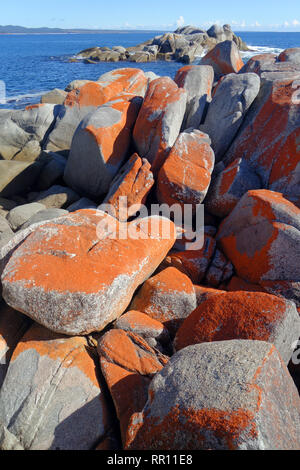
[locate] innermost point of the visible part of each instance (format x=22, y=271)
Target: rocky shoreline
x=139, y=342
x=184, y=45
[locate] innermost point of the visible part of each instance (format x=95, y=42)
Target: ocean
x=32, y=64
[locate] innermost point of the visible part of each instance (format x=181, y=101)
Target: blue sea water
x=32, y=64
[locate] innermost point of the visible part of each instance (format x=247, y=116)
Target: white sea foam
x=25, y=97
x=255, y=50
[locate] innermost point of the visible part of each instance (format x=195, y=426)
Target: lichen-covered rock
x=193, y=263
x=228, y=186
x=243, y=315
x=168, y=297
x=184, y=177
x=231, y=100
x=290, y=55
x=224, y=58
x=78, y=273
x=55, y=96
x=197, y=80
x=133, y=182
x=128, y=364
x=100, y=146
x=108, y=86
x=261, y=238
x=228, y=395
x=159, y=121
x=269, y=137
x=153, y=331
x=51, y=398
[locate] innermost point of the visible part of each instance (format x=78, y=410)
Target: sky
x=252, y=15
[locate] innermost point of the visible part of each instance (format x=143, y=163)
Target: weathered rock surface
x=261, y=237
x=228, y=186
x=57, y=197
x=232, y=98
x=109, y=85
x=21, y=214
x=51, y=398
x=159, y=121
x=152, y=331
x=168, y=297
x=55, y=96
x=72, y=276
x=248, y=406
x=197, y=80
x=268, y=137
x=224, y=59
x=128, y=364
x=23, y=131
x=100, y=146
x=13, y=326
x=184, y=177
x=17, y=177
x=130, y=188
x=243, y=315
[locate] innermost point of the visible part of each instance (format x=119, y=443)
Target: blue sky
x=263, y=15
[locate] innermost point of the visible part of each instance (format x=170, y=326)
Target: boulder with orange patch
x=259, y=63
x=228, y=186
x=51, y=398
x=290, y=55
x=13, y=325
x=224, y=58
x=107, y=87
x=193, y=263
x=261, y=238
x=159, y=121
x=197, y=80
x=227, y=395
x=185, y=176
x=128, y=364
x=100, y=146
x=130, y=188
x=231, y=100
x=168, y=297
x=243, y=315
x=269, y=137
x=152, y=331
x=78, y=273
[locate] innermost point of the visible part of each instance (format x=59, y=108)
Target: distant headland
x=10, y=29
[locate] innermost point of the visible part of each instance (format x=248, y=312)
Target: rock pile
x=184, y=45
x=114, y=332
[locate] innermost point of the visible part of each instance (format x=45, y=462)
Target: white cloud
x=295, y=23
x=286, y=24
x=180, y=22
x=257, y=24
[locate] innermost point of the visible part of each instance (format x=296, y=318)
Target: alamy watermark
x=187, y=218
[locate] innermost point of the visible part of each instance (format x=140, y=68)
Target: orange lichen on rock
x=259, y=237
x=128, y=363
x=159, y=121
x=242, y=315
x=168, y=297
x=79, y=274
x=225, y=58
x=193, y=425
x=133, y=182
x=108, y=87
x=185, y=176
x=269, y=138
x=193, y=263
